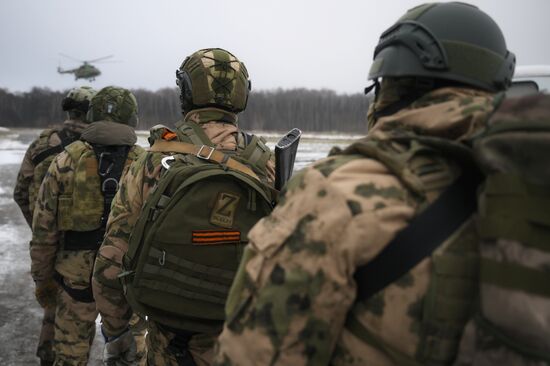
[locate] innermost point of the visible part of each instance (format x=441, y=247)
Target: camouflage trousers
x=168, y=349
x=45, y=342
x=74, y=330
x=138, y=327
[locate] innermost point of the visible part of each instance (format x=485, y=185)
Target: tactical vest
x=188, y=241
x=493, y=272
x=45, y=156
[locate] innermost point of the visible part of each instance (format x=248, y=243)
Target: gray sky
x=284, y=43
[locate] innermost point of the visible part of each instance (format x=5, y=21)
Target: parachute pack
x=489, y=296
x=188, y=241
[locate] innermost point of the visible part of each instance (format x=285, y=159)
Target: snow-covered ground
x=20, y=315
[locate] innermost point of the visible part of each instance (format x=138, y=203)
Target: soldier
x=214, y=87
x=70, y=216
x=51, y=141
x=295, y=299
x=37, y=159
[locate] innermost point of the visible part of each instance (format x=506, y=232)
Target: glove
x=120, y=350
x=46, y=293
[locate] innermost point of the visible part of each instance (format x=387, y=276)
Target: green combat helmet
x=114, y=104
x=213, y=77
x=454, y=41
x=77, y=101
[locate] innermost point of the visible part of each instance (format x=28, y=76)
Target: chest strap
x=203, y=152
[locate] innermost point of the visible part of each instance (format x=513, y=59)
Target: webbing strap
x=530, y=234
x=178, y=291
x=420, y=238
x=515, y=277
x=361, y=332
x=203, y=152
x=172, y=275
x=192, y=266
x=515, y=209
x=38, y=158
x=65, y=140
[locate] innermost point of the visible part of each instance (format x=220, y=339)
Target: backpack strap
x=203, y=152
x=425, y=233
x=111, y=162
x=65, y=140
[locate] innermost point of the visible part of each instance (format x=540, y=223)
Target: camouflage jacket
x=295, y=287
x=46, y=249
x=27, y=184
x=134, y=190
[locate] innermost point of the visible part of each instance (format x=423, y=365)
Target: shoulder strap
x=421, y=237
x=65, y=140
x=202, y=152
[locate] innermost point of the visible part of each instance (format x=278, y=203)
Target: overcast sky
x=284, y=43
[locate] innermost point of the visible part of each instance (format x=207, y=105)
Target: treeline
x=278, y=110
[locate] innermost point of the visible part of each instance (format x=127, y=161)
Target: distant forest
x=277, y=110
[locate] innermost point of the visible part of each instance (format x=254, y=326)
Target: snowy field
x=20, y=314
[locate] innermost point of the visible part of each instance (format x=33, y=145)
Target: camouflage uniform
x=75, y=319
x=25, y=193
x=37, y=159
x=135, y=188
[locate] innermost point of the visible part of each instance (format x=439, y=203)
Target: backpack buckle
x=209, y=154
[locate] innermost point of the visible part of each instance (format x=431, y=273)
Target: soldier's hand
x=46, y=293
x=120, y=350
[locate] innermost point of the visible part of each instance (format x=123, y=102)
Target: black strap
x=65, y=138
x=421, y=237
x=110, y=164
x=83, y=240
x=84, y=295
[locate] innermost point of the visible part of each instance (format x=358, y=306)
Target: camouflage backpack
x=188, y=241
x=488, y=300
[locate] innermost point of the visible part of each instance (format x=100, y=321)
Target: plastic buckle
x=198, y=155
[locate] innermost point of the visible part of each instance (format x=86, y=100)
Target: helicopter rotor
x=86, y=61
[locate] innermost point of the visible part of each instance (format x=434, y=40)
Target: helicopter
x=84, y=71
